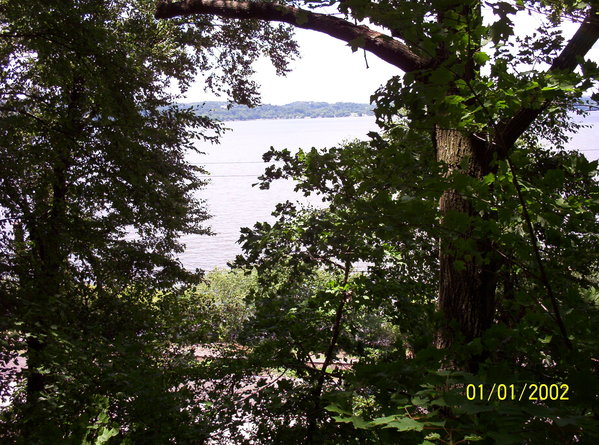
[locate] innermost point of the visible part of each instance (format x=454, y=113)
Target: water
x=236, y=163
x=587, y=139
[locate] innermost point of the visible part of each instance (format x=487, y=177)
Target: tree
x=440, y=46
x=502, y=214
x=94, y=193
x=401, y=389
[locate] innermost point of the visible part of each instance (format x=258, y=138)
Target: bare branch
x=386, y=47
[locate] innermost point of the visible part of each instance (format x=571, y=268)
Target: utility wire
x=228, y=176
x=232, y=162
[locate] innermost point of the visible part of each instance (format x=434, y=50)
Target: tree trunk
x=43, y=294
x=44, y=287
x=467, y=279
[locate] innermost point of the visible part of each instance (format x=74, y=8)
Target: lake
x=236, y=163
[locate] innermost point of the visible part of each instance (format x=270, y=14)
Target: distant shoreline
x=296, y=118
x=228, y=112
x=295, y=110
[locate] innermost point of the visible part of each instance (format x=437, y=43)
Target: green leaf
x=336, y=409
x=106, y=435
x=357, y=43
x=480, y=58
x=405, y=424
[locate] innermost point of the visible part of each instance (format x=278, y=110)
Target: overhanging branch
x=583, y=40
x=387, y=48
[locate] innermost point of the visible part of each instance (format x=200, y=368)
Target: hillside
x=294, y=110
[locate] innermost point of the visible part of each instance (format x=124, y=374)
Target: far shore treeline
x=224, y=111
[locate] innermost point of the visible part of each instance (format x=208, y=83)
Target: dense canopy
x=478, y=228
x=477, y=231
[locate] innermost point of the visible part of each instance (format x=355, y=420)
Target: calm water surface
x=236, y=163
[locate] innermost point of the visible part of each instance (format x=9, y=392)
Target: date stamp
x=524, y=392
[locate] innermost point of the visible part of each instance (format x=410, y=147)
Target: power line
x=231, y=162
x=262, y=162
x=228, y=176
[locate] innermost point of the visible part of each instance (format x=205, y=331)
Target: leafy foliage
x=94, y=194
x=385, y=222
x=217, y=308
x=530, y=219
x=453, y=248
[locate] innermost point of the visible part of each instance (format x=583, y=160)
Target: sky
x=328, y=71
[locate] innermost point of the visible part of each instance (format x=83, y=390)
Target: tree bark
x=466, y=283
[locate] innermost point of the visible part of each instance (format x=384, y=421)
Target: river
x=236, y=163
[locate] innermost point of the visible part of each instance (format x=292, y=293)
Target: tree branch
x=535, y=247
x=329, y=356
x=582, y=41
x=386, y=47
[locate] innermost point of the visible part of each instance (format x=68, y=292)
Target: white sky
x=328, y=71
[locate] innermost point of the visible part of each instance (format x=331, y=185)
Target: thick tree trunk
x=466, y=283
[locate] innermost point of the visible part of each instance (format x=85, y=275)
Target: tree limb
x=582, y=41
x=535, y=247
x=329, y=356
x=386, y=47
